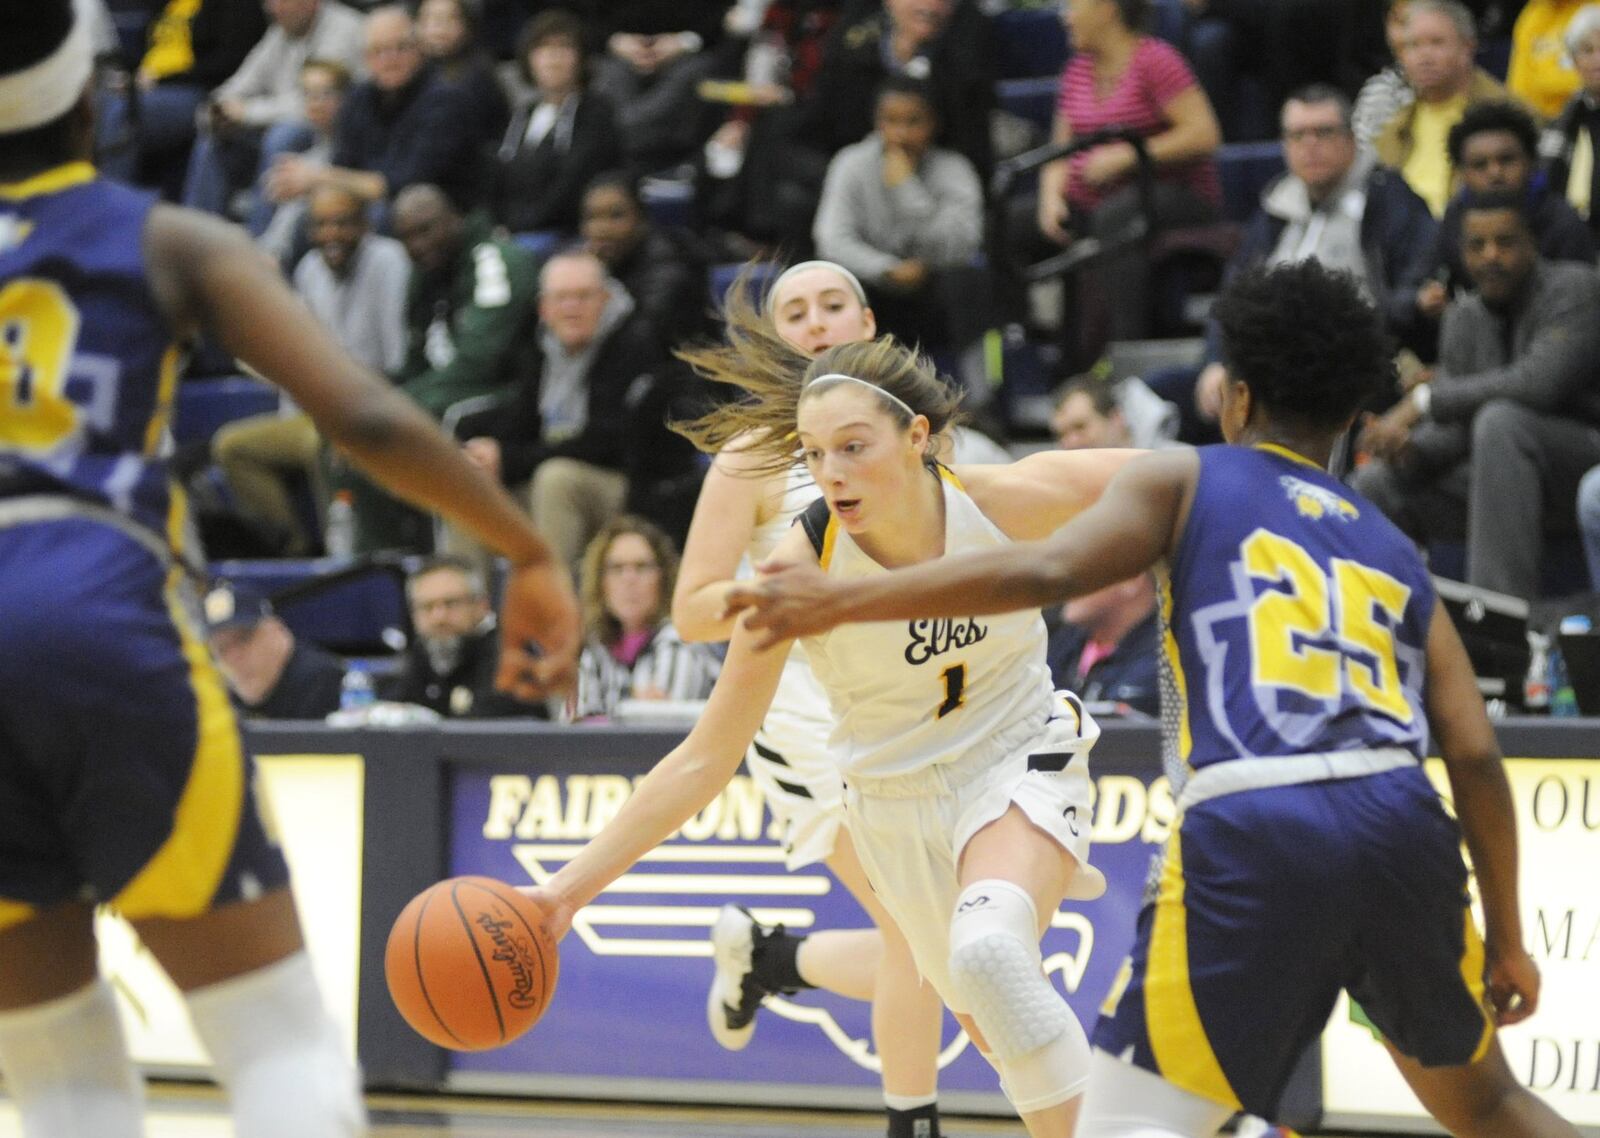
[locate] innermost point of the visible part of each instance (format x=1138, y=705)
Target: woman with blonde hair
x=631, y=650
x=965, y=776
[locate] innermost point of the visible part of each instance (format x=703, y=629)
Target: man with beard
x=354, y=282
x=450, y=665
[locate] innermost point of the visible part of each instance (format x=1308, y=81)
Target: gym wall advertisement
x=628, y=1018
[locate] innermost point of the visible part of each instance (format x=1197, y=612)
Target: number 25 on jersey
x=1320, y=635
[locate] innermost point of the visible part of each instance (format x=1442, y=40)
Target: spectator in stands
x=585, y=416
x=1093, y=411
x=1589, y=523
x=1386, y=93
x=655, y=55
x=450, y=663
x=270, y=672
x=259, y=112
x=1569, y=145
x=1107, y=645
x=907, y=218
x=1540, y=71
x=1493, y=150
x=947, y=43
x=277, y=218
x=447, y=31
x=402, y=126
x=663, y=275
x=1437, y=56
x=631, y=650
x=1120, y=77
x=193, y=45
x=1495, y=444
x=558, y=141
x=1338, y=204
x=355, y=283
x=471, y=302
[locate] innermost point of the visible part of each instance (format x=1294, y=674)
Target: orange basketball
x=470, y=964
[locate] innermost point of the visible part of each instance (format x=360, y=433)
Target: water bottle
x=357, y=692
x=1536, y=684
x=1563, y=702
x=340, y=538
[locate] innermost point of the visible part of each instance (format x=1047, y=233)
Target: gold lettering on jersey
x=930, y=638
x=578, y=807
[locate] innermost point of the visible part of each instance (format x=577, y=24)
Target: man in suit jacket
x=1500, y=436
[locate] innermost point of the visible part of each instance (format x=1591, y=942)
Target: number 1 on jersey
x=955, y=689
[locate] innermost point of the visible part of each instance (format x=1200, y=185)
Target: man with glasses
x=1338, y=204
x=450, y=663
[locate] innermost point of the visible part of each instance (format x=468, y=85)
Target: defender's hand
x=538, y=632
x=788, y=601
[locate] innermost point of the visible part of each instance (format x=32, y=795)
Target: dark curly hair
x=1305, y=341
x=1497, y=115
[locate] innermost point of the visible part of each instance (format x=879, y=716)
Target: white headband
x=855, y=282
x=834, y=377
x=48, y=89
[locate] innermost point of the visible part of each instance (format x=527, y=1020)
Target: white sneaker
x=734, y=998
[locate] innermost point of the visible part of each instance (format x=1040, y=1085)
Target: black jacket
x=667, y=280
x=221, y=35
x=309, y=687
x=422, y=133
x=541, y=187
x=466, y=691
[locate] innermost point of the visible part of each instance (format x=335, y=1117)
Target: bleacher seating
x=1033, y=99
x=1029, y=43
x=355, y=608
x=204, y=405
x=669, y=202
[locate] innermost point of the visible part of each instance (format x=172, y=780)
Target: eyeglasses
x=1319, y=133
x=638, y=568
x=460, y=601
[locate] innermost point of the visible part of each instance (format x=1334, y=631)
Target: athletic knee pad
x=278, y=1054
x=995, y=963
x=66, y=1065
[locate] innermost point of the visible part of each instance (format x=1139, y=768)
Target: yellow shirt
x=1540, y=73
x=1427, y=169
x=171, y=49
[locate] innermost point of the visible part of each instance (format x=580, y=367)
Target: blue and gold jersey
x=1296, y=617
x=87, y=360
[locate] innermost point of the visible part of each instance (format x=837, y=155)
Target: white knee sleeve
x=1125, y=1101
x=66, y=1065
x=1036, y=1041
x=279, y=1054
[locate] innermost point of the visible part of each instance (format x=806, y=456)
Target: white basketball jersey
x=907, y=694
x=800, y=703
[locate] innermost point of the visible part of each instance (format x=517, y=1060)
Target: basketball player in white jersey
x=966, y=776
x=742, y=514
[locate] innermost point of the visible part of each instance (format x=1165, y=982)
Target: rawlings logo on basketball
x=515, y=953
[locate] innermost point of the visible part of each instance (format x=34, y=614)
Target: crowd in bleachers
x=517, y=210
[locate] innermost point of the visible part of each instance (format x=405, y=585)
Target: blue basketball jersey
x=1296, y=617
x=88, y=363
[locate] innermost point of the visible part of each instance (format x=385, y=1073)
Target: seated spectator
x=655, y=55
x=355, y=283
x=271, y=674
x=277, y=218
x=631, y=650
x=560, y=140
x=1106, y=647
x=193, y=46
x=451, y=662
x=1119, y=77
x=586, y=414
x=948, y=44
x=1335, y=203
x=1437, y=57
x=1540, y=70
x=1386, y=93
x=259, y=112
x=1492, y=150
x=402, y=126
x=448, y=34
x=1092, y=411
x=665, y=278
x=1493, y=447
x=907, y=218
x=1568, y=146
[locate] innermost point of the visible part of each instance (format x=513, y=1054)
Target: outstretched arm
x=729, y=508
x=1483, y=804
x=207, y=274
x=1126, y=532
x=1036, y=495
